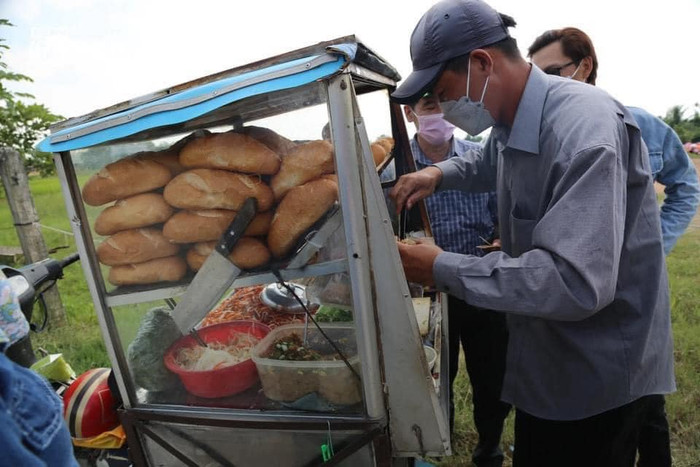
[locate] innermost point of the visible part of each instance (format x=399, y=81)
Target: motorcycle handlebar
x=70, y=259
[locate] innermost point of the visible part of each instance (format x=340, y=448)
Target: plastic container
x=288, y=380
x=224, y=381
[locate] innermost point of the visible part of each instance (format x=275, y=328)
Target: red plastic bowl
x=223, y=381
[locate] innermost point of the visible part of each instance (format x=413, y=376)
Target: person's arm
x=473, y=171
x=682, y=190
x=570, y=272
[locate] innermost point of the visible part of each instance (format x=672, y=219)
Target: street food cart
x=380, y=398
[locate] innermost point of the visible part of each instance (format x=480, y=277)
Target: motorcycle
x=29, y=284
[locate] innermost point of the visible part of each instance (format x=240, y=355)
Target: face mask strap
x=571, y=76
x=469, y=67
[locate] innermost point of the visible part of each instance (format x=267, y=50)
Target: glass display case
x=319, y=351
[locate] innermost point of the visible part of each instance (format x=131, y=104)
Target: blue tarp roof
x=199, y=100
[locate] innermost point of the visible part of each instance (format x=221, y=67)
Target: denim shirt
x=672, y=167
x=582, y=273
x=32, y=430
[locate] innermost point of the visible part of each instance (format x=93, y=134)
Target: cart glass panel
x=282, y=337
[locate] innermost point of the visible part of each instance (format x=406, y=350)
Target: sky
x=85, y=55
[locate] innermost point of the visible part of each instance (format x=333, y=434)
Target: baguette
x=269, y=138
x=168, y=269
x=299, y=210
x=216, y=189
x=124, y=178
x=135, y=246
x=304, y=163
x=387, y=142
x=210, y=224
x=378, y=153
x=169, y=158
x=248, y=253
x=230, y=151
x=133, y=212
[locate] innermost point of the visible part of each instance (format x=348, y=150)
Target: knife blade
x=216, y=274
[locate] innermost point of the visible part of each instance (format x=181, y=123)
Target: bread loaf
x=168, y=269
x=168, y=158
x=305, y=162
x=269, y=138
x=386, y=142
x=125, y=178
x=133, y=212
x=210, y=224
x=378, y=153
x=248, y=253
x=299, y=210
x=135, y=246
x=216, y=189
x=230, y=151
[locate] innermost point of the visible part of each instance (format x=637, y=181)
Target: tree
x=22, y=121
x=687, y=129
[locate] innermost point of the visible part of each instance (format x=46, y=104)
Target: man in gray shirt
x=582, y=273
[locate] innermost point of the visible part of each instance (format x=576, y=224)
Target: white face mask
x=466, y=114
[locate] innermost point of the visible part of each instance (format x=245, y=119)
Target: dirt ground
x=695, y=224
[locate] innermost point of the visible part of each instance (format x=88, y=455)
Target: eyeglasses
x=556, y=70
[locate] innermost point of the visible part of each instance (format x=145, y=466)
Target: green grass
x=81, y=341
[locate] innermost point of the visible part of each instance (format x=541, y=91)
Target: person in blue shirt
x=32, y=430
x=461, y=222
x=569, y=52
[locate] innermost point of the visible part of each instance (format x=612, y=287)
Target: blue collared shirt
x=459, y=220
x=672, y=167
x=582, y=273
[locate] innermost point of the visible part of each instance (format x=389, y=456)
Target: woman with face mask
x=459, y=222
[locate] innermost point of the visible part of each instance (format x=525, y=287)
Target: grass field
x=81, y=342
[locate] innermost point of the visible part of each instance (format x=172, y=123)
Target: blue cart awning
x=201, y=99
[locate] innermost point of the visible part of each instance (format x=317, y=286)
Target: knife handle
x=236, y=228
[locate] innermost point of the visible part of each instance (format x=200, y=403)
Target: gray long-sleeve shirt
x=582, y=273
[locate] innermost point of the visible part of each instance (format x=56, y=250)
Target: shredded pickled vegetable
x=217, y=355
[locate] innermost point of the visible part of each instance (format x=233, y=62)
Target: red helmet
x=89, y=408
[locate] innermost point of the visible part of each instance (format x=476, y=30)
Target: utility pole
x=26, y=220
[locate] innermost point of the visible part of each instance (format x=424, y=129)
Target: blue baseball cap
x=450, y=28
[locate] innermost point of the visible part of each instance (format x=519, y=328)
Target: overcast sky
x=89, y=54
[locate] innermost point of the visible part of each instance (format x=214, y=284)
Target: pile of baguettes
x=170, y=207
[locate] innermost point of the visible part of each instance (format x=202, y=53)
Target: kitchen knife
x=216, y=274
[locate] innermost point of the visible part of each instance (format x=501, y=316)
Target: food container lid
x=277, y=297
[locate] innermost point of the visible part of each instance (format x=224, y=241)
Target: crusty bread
x=168, y=158
x=378, y=153
x=298, y=210
x=249, y=252
x=305, y=162
x=269, y=138
x=230, y=151
x=135, y=246
x=133, y=212
x=209, y=224
x=386, y=142
x=125, y=178
x=168, y=269
x=216, y=189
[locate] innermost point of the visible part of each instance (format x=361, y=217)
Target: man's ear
x=410, y=115
x=481, y=60
x=586, y=68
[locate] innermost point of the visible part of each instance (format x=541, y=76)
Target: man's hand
x=418, y=261
x=413, y=187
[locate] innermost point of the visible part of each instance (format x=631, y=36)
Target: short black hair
x=574, y=43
